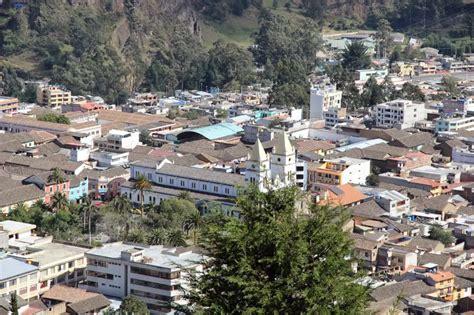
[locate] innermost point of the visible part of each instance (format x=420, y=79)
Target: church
x=277, y=169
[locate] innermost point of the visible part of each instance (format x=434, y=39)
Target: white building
x=168, y=178
x=453, y=124
x=109, y=159
x=154, y=274
x=395, y=203
x=278, y=169
x=119, y=140
x=399, y=114
x=343, y=171
x=323, y=98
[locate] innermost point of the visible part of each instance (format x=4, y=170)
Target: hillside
x=111, y=47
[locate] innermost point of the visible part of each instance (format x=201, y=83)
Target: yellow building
x=52, y=96
x=404, y=69
x=443, y=281
x=343, y=171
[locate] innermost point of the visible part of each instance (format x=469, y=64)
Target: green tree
x=172, y=213
x=411, y=92
x=450, y=86
x=175, y=237
x=273, y=261
x=137, y=236
x=145, y=138
x=122, y=206
x=141, y=184
x=228, y=64
x=383, y=36
x=14, y=303
x=89, y=209
x=372, y=93
x=355, y=57
x=56, y=176
x=55, y=118
x=157, y=237
x=185, y=195
x=445, y=237
x=132, y=305
x=372, y=180
x=193, y=223
x=59, y=202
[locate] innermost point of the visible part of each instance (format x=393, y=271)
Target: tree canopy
x=273, y=261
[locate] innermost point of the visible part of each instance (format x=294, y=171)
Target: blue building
x=79, y=188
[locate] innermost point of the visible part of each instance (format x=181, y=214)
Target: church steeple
x=283, y=145
x=258, y=153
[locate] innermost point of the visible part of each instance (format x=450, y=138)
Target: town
x=110, y=206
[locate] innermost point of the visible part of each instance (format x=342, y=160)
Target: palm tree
x=59, y=202
x=194, y=223
x=185, y=195
x=21, y=207
x=121, y=205
x=56, y=176
x=141, y=184
x=88, y=209
x=157, y=237
x=175, y=238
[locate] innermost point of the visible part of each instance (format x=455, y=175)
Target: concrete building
x=109, y=159
x=463, y=155
x=333, y=116
x=18, y=276
x=8, y=105
x=119, y=140
x=323, y=98
x=460, y=105
x=52, y=96
x=453, y=124
x=400, y=114
x=365, y=74
x=343, y=171
x=395, y=203
x=153, y=274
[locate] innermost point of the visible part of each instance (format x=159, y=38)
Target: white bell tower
x=257, y=167
x=283, y=161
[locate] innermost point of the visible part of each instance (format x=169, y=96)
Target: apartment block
x=153, y=274
x=18, y=276
x=395, y=203
x=400, y=114
x=453, y=123
x=119, y=140
x=8, y=105
x=343, y=171
x=52, y=96
x=323, y=98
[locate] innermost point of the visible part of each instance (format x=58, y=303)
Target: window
x=204, y=187
x=182, y=183
x=226, y=190
x=149, y=176
x=160, y=179
x=3, y=285
x=70, y=264
x=12, y=282
x=171, y=181
x=23, y=290
x=216, y=188
x=193, y=185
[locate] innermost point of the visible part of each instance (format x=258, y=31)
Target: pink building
x=46, y=182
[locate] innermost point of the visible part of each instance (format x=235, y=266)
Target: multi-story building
x=460, y=105
x=463, y=155
x=109, y=159
x=453, y=123
x=46, y=182
x=8, y=105
x=105, y=185
x=154, y=274
x=18, y=276
x=323, y=98
x=399, y=114
x=395, y=203
x=52, y=96
x=119, y=140
x=333, y=116
x=343, y=171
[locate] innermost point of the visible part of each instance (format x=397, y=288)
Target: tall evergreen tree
x=276, y=262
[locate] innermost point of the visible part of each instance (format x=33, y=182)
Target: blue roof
x=215, y=131
x=11, y=267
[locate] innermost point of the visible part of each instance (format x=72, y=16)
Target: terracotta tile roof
x=441, y=276
x=67, y=294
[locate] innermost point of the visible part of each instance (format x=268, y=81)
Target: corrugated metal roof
x=216, y=131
